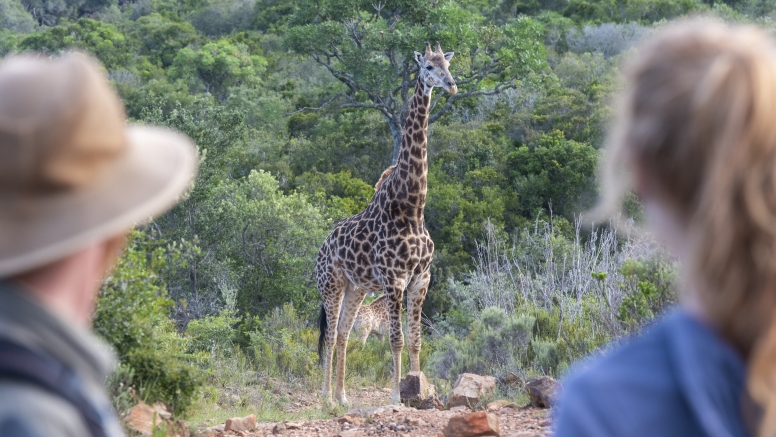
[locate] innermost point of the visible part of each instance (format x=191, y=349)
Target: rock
x=430, y=403
x=349, y=419
x=499, y=404
x=414, y=421
x=208, y=432
x=470, y=388
x=162, y=410
x=478, y=423
x=414, y=388
x=365, y=412
x=246, y=423
x=293, y=425
x=280, y=428
x=351, y=433
x=543, y=391
x=460, y=409
x=143, y=418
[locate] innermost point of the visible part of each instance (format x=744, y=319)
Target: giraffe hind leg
x=332, y=292
x=352, y=301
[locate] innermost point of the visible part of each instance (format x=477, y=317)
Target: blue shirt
x=678, y=379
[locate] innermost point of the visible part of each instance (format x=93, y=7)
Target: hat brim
x=148, y=179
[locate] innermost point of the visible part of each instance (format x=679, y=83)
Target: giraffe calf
x=372, y=318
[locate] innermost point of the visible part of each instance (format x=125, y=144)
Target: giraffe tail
x=323, y=324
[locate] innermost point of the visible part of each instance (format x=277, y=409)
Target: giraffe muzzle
x=451, y=87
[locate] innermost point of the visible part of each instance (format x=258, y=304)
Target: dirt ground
x=373, y=416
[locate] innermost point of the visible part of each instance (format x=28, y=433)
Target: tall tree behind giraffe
x=385, y=247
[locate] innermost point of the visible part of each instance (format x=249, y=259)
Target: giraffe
x=372, y=318
x=386, y=247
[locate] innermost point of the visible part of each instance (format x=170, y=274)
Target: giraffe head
x=434, y=68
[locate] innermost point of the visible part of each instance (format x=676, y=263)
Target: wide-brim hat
x=72, y=171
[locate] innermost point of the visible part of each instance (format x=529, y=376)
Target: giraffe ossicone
x=386, y=247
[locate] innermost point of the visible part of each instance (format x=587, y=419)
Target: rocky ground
x=388, y=420
x=372, y=414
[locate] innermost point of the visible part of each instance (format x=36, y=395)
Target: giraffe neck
x=410, y=181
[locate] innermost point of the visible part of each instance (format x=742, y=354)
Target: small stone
x=543, y=391
x=349, y=419
x=499, y=404
x=469, y=388
x=246, y=423
x=460, y=408
x=415, y=421
x=280, y=428
x=430, y=403
x=293, y=424
x=478, y=423
x=351, y=433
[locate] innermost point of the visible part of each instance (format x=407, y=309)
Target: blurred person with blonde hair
x=74, y=179
x=695, y=137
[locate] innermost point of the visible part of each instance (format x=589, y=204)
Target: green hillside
x=297, y=108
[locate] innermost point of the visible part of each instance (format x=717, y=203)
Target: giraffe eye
x=430, y=67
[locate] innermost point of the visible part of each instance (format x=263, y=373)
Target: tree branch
x=450, y=100
x=308, y=108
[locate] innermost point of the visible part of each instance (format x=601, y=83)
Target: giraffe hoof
x=343, y=401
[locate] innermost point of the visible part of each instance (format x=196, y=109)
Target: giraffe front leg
x=331, y=312
x=416, y=294
x=396, y=336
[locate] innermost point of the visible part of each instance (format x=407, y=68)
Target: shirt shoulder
x=630, y=391
x=32, y=411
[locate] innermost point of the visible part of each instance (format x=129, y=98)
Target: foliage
x=216, y=66
x=103, y=40
x=132, y=316
x=15, y=18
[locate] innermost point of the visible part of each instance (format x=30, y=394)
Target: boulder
x=142, y=418
x=470, y=388
x=415, y=388
x=478, y=423
x=246, y=423
x=543, y=391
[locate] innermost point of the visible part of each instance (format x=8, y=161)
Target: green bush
x=132, y=315
x=213, y=332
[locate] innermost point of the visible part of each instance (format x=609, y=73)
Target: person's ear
x=113, y=248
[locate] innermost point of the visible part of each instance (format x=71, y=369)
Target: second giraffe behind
x=372, y=318
x=386, y=247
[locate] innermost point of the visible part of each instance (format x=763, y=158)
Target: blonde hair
x=699, y=118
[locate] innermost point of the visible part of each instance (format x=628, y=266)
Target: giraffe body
x=385, y=247
x=372, y=318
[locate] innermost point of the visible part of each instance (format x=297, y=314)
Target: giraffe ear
x=419, y=58
x=449, y=56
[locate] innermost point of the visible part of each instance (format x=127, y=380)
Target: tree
x=162, y=38
x=368, y=48
x=555, y=170
x=217, y=66
x=101, y=39
x=14, y=17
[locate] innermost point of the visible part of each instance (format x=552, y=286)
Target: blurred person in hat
x=74, y=179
